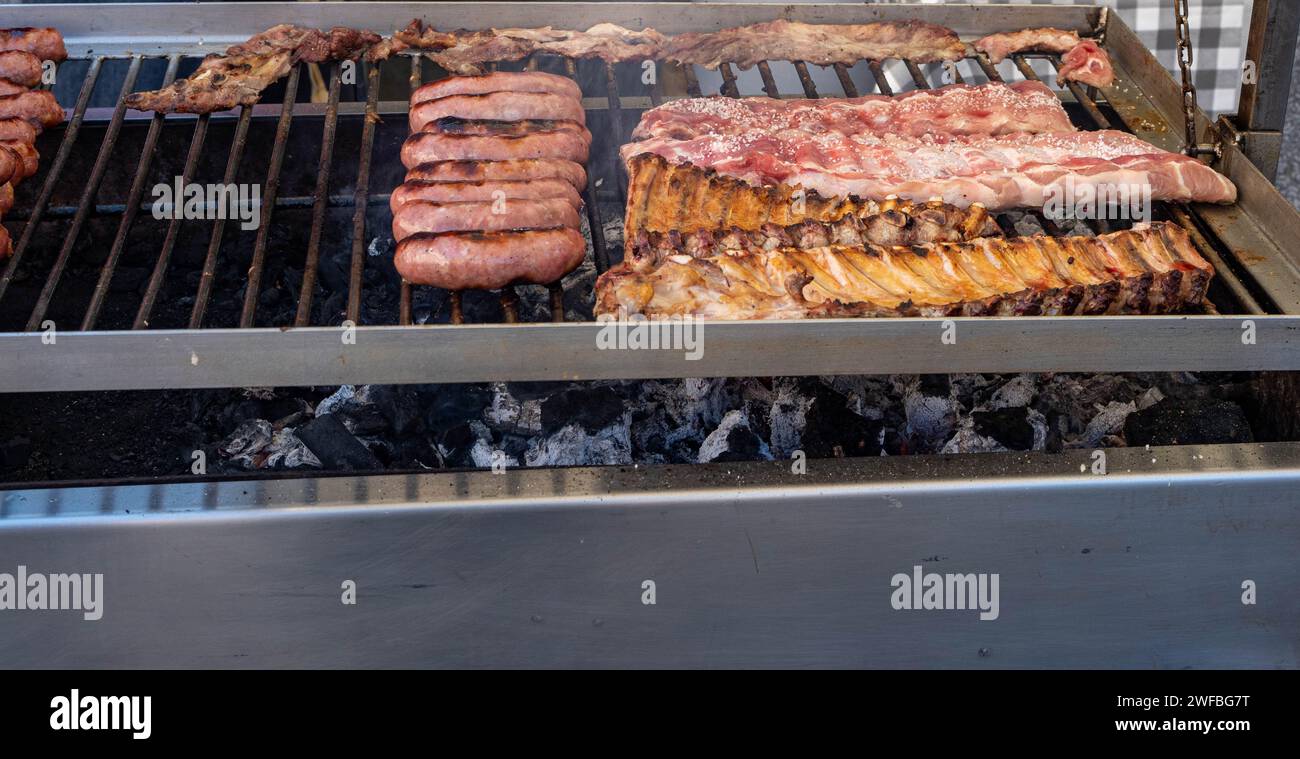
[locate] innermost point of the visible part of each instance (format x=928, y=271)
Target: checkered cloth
x=1218, y=41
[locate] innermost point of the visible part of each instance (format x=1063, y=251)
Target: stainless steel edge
x=477, y=353
x=1260, y=230
x=1142, y=567
x=118, y=28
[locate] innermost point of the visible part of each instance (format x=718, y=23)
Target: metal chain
x=1185, y=63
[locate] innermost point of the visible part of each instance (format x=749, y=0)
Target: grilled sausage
x=477, y=171
x=28, y=159
x=6, y=197
x=493, y=128
x=499, y=106
x=36, y=107
x=6, y=245
x=429, y=146
x=489, y=260
x=426, y=216
x=11, y=163
x=9, y=88
x=46, y=44
x=17, y=129
x=20, y=67
x=502, y=81
x=484, y=192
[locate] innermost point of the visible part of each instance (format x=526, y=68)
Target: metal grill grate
x=29, y=309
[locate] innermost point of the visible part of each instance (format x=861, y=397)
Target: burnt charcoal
x=1188, y=422
x=364, y=420
x=733, y=440
x=328, y=438
x=456, y=444
x=129, y=279
x=592, y=408
x=15, y=452
x=399, y=405
x=832, y=430
x=1009, y=426
x=937, y=385
x=457, y=404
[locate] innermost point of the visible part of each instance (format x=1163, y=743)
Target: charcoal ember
x=692, y=407
x=15, y=452
x=455, y=445
x=1011, y=427
x=967, y=440
x=486, y=453
x=590, y=408
x=329, y=439
x=1188, y=422
x=575, y=445
x=256, y=444
x=1108, y=421
x=831, y=429
x=931, y=411
x=250, y=438
x=1020, y=390
x=454, y=405
x=509, y=414
x=733, y=440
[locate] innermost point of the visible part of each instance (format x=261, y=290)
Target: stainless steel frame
x=752, y=565
x=1259, y=230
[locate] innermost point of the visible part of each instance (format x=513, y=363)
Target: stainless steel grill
x=174, y=338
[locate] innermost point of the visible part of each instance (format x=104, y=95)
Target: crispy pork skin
x=1155, y=269
x=489, y=260
x=500, y=81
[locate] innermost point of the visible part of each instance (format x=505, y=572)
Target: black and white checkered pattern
x=1218, y=40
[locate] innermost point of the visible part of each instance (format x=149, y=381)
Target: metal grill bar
x=728, y=81
x=219, y=227
x=692, y=84
x=357, y=270
x=145, y=311
x=131, y=207
x=253, y=287
x=846, y=81
x=303, y=316
x=918, y=76
x=87, y=198
x=769, y=83
x=56, y=170
x=882, y=81
x=809, y=88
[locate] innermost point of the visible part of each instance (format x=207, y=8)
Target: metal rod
x=556, y=290
x=809, y=88
x=361, y=197
x=56, y=170
x=692, y=84
x=882, y=81
x=254, y=286
x=303, y=316
x=616, y=121
x=219, y=227
x=457, y=315
x=599, y=252
x=404, y=296
x=846, y=81
x=131, y=207
x=173, y=229
x=918, y=76
x=510, y=304
x=728, y=81
x=769, y=82
x=987, y=67
x=87, y=199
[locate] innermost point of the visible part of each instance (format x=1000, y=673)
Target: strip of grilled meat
x=685, y=199
x=1155, y=269
x=238, y=77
